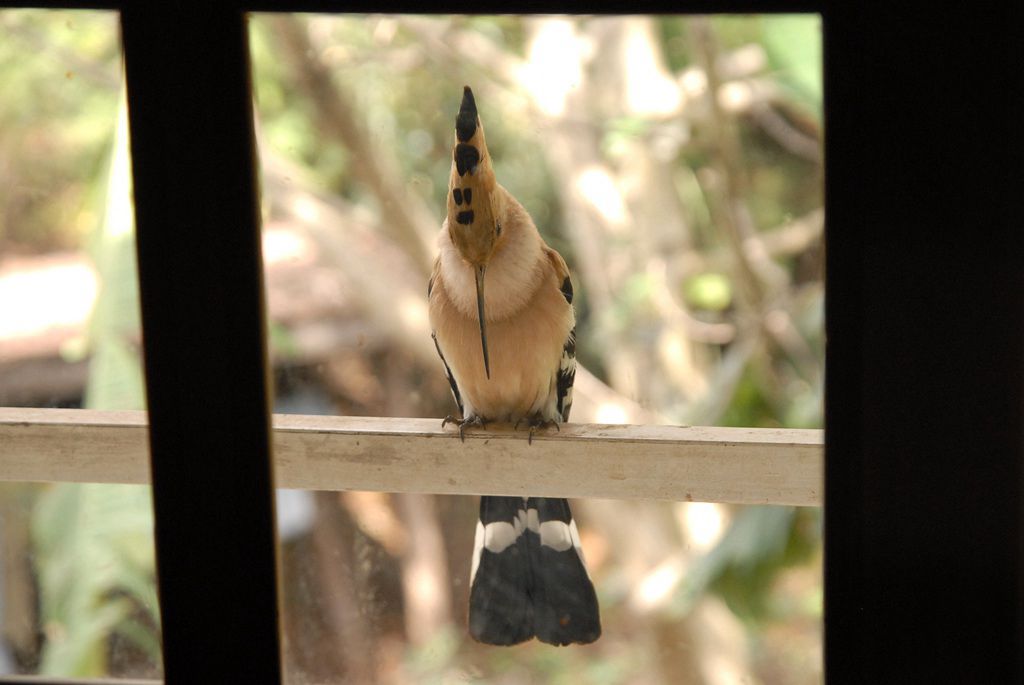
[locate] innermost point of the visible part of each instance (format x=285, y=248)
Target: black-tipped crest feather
x=465, y=122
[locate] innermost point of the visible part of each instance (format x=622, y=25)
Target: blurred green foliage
x=793, y=44
x=60, y=72
x=410, y=115
x=64, y=183
x=94, y=542
x=94, y=556
x=711, y=291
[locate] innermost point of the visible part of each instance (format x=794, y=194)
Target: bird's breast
x=513, y=275
x=524, y=347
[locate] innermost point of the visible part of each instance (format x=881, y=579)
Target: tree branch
x=404, y=215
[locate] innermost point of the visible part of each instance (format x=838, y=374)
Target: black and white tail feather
x=528, y=576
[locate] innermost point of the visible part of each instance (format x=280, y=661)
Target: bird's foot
x=537, y=421
x=462, y=423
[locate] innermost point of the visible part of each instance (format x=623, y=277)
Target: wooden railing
x=735, y=465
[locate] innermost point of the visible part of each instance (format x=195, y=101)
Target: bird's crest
x=472, y=194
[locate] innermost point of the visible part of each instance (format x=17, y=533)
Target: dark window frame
x=924, y=580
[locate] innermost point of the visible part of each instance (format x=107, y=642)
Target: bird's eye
x=497, y=228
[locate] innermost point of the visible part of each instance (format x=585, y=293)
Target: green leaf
x=115, y=371
x=140, y=635
x=710, y=291
x=761, y=541
x=93, y=542
x=793, y=44
x=94, y=556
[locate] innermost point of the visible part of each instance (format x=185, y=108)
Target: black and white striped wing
x=567, y=364
x=447, y=370
x=448, y=374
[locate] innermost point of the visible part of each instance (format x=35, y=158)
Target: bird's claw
x=462, y=423
x=535, y=422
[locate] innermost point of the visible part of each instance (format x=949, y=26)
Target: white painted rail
x=735, y=465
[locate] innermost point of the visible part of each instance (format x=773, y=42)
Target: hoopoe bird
x=509, y=351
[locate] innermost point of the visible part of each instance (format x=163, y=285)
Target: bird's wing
x=566, y=375
x=567, y=363
x=437, y=346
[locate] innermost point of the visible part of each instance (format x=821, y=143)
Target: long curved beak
x=480, y=313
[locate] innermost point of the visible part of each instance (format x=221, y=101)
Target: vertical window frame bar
x=204, y=332
x=924, y=402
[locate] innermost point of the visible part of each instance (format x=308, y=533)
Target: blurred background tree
x=674, y=161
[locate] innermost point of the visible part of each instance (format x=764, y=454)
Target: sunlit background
x=675, y=162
